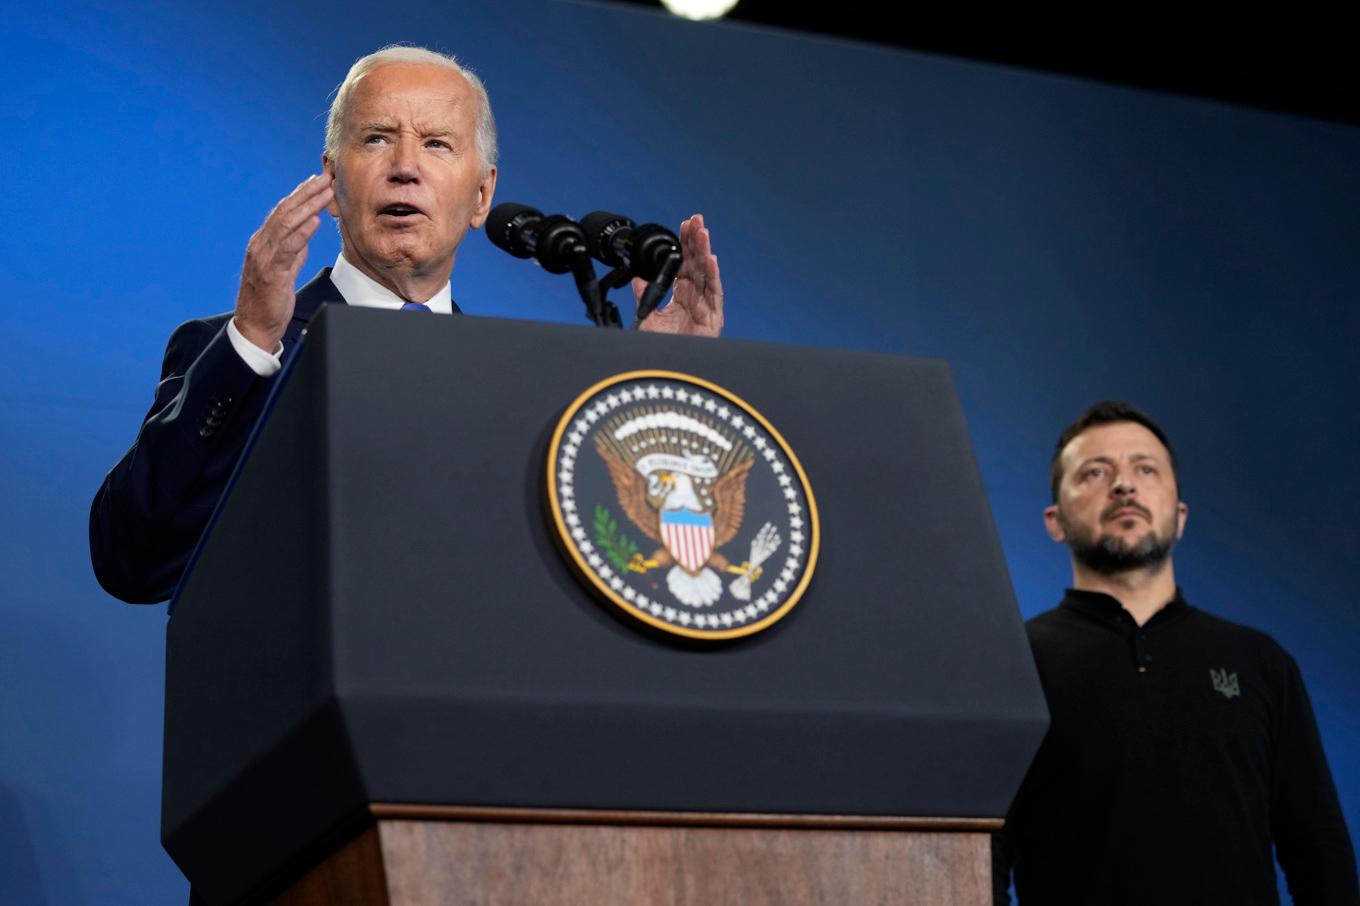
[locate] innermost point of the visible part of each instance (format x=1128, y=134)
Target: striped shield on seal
x=688, y=536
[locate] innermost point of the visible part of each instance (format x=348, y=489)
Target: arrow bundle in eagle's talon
x=763, y=546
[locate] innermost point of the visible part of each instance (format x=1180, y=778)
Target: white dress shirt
x=356, y=288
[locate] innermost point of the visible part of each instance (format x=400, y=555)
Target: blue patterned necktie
x=417, y=306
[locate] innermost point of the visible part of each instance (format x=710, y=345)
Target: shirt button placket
x=1141, y=658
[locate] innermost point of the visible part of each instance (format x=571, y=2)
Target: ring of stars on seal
x=679, y=504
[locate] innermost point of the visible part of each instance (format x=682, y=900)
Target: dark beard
x=1109, y=556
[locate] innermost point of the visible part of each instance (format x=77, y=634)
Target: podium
x=386, y=684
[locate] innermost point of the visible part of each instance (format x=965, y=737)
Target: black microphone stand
x=599, y=310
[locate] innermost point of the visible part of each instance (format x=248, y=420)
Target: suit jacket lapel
x=318, y=291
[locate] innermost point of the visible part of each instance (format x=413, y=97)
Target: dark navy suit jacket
x=153, y=506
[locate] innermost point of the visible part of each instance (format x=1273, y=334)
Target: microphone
x=650, y=251
x=557, y=243
x=505, y=223
x=608, y=236
x=618, y=242
x=654, y=250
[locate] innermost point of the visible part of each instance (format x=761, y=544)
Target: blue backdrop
x=1056, y=241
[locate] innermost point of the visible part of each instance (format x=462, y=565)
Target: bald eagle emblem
x=682, y=505
x=683, y=485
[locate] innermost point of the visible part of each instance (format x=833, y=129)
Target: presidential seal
x=681, y=505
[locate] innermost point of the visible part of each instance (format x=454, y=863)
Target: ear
x=1182, y=513
x=328, y=166
x=1053, y=523
x=486, y=191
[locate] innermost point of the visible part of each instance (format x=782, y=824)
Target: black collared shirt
x=1179, y=753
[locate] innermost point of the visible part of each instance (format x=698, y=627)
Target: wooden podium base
x=442, y=856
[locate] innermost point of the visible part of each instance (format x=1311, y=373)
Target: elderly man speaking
x=409, y=167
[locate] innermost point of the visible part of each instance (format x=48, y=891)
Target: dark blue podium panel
x=380, y=613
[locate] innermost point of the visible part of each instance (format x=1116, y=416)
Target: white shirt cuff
x=262, y=363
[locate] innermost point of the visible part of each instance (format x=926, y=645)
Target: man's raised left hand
x=696, y=305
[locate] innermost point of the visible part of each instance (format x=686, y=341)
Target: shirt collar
x=361, y=290
x=1108, y=609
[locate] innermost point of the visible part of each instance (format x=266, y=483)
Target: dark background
x=1296, y=62
x=1055, y=239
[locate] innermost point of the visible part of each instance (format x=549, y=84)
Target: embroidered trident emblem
x=1225, y=682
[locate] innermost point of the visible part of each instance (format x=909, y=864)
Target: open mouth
x=400, y=211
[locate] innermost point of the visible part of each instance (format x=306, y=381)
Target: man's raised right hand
x=274, y=256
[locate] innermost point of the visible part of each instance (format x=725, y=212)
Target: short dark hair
x=1103, y=413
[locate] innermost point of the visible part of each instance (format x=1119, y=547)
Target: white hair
x=338, y=117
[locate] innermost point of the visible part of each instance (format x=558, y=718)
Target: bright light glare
x=699, y=9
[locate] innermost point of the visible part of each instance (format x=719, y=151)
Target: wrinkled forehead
x=409, y=91
x=1116, y=441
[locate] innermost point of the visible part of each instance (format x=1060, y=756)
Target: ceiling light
x=699, y=9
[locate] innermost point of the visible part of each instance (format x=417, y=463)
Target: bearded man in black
x=1183, y=757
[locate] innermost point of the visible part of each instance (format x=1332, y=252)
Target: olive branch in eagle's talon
x=619, y=548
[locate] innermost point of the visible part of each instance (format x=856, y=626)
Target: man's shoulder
x=190, y=337
x=1228, y=632
x=210, y=324
x=1060, y=634
x=1050, y=623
